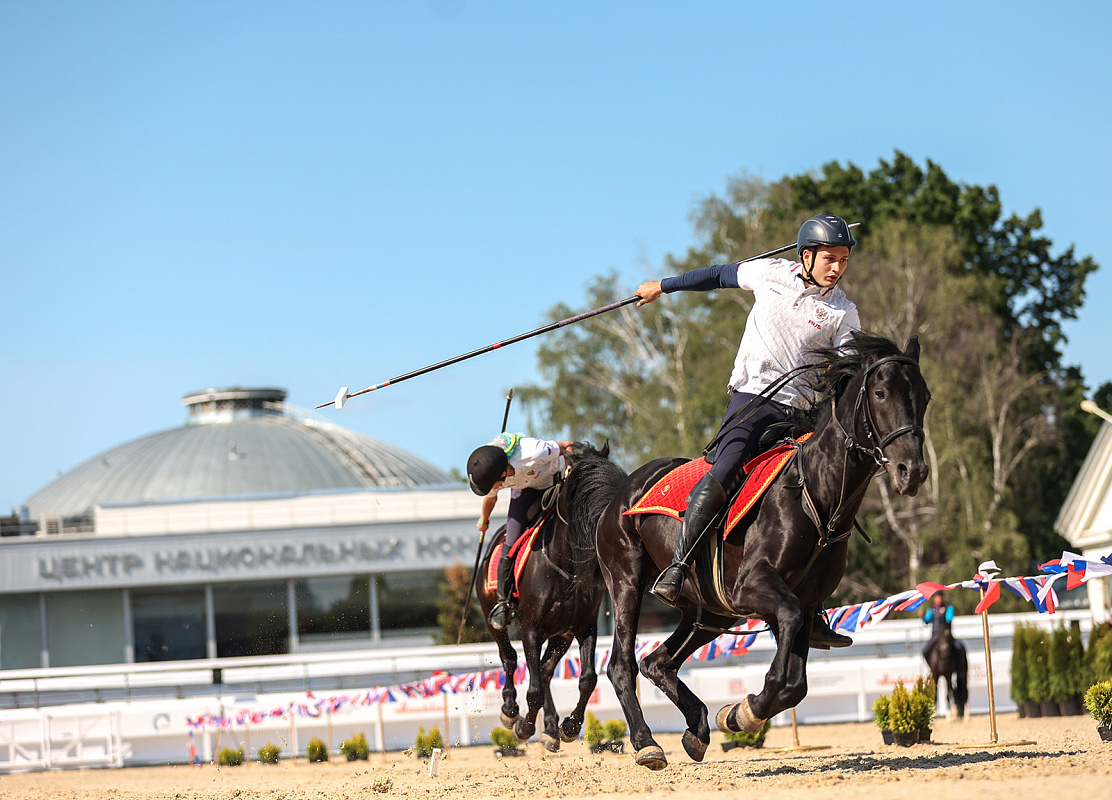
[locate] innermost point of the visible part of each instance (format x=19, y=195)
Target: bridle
x=835, y=529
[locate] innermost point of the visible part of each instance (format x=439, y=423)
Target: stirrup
x=669, y=584
x=501, y=616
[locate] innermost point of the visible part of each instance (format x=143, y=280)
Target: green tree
x=937, y=259
x=453, y=594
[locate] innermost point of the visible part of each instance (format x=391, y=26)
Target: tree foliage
x=987, y=297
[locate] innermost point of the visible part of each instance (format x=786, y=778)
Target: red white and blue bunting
x=1067, y=572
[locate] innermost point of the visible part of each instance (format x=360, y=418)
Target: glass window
x=85, y=628
x=407, y=603
x=168, y=624
x=20, y=631
x=251, y=619
x=333, y=608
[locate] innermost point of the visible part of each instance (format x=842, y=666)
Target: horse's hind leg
x=588, y=679
x=662, y=668
x=536, y=696
x=508, y=656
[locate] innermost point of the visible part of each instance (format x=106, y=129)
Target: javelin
x=344, y=395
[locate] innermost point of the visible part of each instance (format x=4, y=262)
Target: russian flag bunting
x=1038, y=590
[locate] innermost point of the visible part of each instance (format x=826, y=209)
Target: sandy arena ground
x=1067, y=759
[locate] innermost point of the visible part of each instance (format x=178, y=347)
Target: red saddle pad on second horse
x=668, y=496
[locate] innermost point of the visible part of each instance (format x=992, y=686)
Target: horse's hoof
x=722, y=719
x=551, y=743
x=523, y=732
x=652, y=757
x=569, y=732
x=695, y=747
x=750, y=723
x=508, y=722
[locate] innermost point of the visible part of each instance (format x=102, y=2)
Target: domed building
x=252, y=529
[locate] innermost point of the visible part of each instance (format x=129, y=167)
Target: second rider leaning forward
x=797, y=307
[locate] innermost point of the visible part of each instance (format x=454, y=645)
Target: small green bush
x=355, y=748
x=1099, y=654
x=901, y=715
x=228, y=757
x=1020, y=688
x=1058, y=664
x=1038, y=668
x=880, y=712
x=749, y=739
x=1098, y=702
x=923, y=701
x=504, y=740
x=1080, y=677
x=426, y=743
x=269, y=753
x=317, y=750
x=595, y=733
x=614, y=730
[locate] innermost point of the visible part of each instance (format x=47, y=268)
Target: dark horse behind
x=948, y=662
x=782, y=561
x=560, y=592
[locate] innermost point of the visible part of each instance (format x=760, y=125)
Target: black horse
x=787, y=555
x=559, y=594
x=947, y=660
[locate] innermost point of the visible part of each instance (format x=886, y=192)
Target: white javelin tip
x=341, y=397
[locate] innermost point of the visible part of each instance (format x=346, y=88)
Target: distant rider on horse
x=938, y=615
x=797, y=307
x=527, y=467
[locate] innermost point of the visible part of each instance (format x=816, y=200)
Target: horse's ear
x=605, y=451
x=911, y=350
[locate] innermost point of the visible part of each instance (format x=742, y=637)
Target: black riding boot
x=503, y=611
x=823, y=637
x=704, y=501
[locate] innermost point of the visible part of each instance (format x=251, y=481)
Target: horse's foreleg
x=557, y=648
x=588, y=679
x=508, y=656
x=785, y=682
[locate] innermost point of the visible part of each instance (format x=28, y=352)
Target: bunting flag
x=1038, y=590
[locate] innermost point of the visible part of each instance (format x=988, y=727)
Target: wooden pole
x=988, y=667
x=447, y=725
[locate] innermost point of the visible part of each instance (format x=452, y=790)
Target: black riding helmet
x=823, y=230
x=485, y=468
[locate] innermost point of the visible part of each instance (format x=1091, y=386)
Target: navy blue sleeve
x=703, y=279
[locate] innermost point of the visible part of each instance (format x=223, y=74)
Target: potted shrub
x=1099, y=654
x=269, y=753
x=743, y=739
x=505, y=743
x=229, y=757
x=426, y=743
x=1078, y=678
x=608, y=736
x=355, y=748
x=1019, y=680
x=1038, y=674
x=316, y=751
x=1058, y=666
x=1098, y=702
x=880, y=717
x=922, y=706
x=901, y=716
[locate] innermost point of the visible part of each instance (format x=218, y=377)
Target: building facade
x=1085, y=520
x=250, y=530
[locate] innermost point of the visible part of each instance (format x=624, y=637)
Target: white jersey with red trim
x=789, y=319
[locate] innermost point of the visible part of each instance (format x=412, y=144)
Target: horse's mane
x=835, y=369
x=590, y=486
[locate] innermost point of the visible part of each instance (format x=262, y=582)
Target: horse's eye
x=879, y=394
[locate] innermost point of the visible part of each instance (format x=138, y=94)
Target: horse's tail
x=591, y=485
x=961, y=690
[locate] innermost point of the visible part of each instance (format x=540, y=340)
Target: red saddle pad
x=668, y=496
x=520, y=552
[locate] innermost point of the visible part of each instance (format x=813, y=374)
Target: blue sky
x=310, y=195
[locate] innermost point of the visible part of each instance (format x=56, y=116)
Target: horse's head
x=893, y=397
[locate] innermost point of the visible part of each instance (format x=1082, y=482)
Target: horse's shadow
x=817, y=765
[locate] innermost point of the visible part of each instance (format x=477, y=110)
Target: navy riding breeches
x=739, y=446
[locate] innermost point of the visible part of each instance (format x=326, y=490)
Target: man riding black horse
x=797, y=308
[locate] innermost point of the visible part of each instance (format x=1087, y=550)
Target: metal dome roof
x=237, y=442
